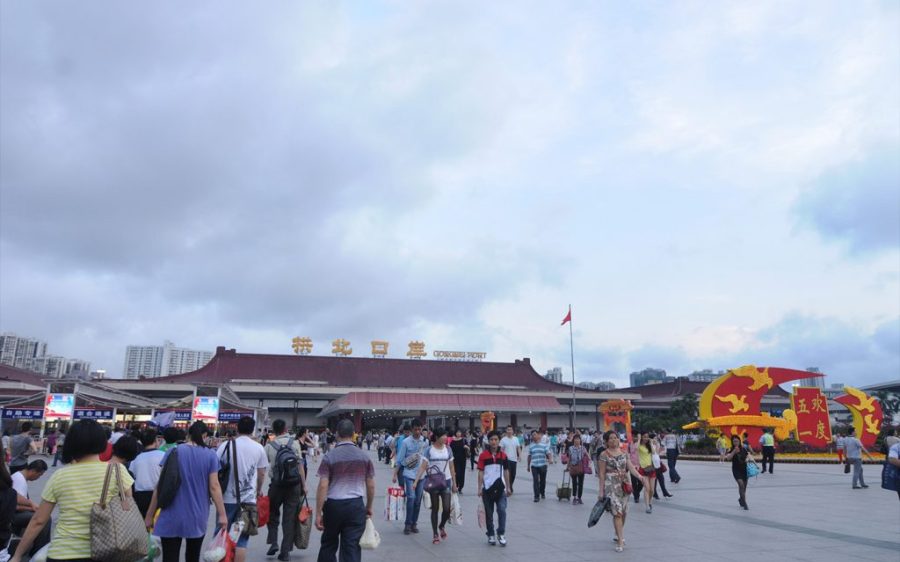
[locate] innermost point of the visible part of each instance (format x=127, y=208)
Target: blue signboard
x=93, y=414
x=23, y=413
x=233, y=416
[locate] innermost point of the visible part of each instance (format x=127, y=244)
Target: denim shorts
x=231, y=511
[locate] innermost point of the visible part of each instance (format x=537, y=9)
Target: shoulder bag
x=118, y=533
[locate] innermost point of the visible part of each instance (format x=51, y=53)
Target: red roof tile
x=229, y=366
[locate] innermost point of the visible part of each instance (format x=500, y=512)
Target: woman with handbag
x=615, y=468
x=440, y=480
x=578, y=458
x=187, y=515
x=645, y=459
x=738, y=455
x=74, y=489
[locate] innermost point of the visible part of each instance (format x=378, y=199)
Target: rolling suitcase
x=564, y=489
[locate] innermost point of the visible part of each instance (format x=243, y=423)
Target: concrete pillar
x=544, y=422
x=471, y=424
x=423, y=415
x=513, y=421
x=357, y=421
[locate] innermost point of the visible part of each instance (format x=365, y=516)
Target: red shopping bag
x=262, y=508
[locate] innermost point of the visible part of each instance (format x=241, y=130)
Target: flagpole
x=572, y=352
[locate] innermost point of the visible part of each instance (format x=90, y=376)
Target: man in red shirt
x=493, y=476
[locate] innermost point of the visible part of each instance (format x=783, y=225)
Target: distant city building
x=160, y=361
x=21, y=352
x=76, y=366
x=818, y=382
x=834, y=390
x=706, y=375
x=649, y=376
x=555, y=374
x=52, y=366
x=98, y=374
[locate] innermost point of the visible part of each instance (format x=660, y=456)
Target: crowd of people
x=229, y=473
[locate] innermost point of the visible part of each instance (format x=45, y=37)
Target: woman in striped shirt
x=74, y=488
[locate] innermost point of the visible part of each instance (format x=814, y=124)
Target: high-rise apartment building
x=649, y=376
x=52, y=366
x=554, y=374
x=161, y=361
x=21, y=352
x=818, y=382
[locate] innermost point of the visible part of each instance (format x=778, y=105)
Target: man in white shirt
x=25, y=508
x=251, y=473
x=511, y=447
x=146, y=470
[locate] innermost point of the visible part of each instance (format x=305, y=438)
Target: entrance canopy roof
x=411, y=401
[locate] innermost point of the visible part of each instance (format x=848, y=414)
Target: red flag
x=568, y=317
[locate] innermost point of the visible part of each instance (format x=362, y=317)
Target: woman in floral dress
x=615, y=464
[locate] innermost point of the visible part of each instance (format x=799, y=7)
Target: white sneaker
x=492, y=540
x=501, y=539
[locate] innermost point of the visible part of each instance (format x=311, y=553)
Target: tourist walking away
x=146, y=468
x=344, y=497
x=251, y=466
x=539, y=457
x=767, y=441
x=74, y=489
x=25, y=508
x=512, y=448
x=440, y=481
x=474, y=448
x=494, y=486
x=646, y=469
x=854, y=450
x=615, y=469
x=286, y=488
x=409, y=457
x=186, y=489
x=460, y=454
x=659, y=467
x=739, y=455
x=893, y=458
x=670, y=441
x=578, y=460
x=60, y=443
x=21, y=446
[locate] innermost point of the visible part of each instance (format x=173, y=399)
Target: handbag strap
x=105, y=485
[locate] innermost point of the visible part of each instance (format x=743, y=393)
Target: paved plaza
x=803, y=512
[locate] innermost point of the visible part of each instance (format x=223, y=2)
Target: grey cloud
x=858, y=203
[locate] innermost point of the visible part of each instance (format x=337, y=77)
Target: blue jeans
x=489, y=514
x=857, y=472
x=413, y=499
x=231, y=511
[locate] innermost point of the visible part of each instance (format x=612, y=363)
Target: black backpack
x=169, y=480
x=286, y=470
x=225, y=466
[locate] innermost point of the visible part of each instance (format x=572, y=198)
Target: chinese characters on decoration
x=617, y=412
x=342, y=348
x=813, y=422
x=731, y=404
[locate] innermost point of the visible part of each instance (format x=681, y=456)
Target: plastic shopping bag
x=262, y=509
x=41, y=555
x=370, y=539
x=455, y=510
x=482, y=517
x=221, y=549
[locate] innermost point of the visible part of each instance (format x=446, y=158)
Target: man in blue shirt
x=409, y=457
x=539, y=456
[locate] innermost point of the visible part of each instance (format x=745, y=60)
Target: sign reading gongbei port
x=206, y=408
x=460, y=355
x=59, y=407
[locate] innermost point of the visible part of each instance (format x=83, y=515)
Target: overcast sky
x=709, y=184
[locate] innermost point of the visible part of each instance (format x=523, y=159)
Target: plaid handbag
x=118, y=533
x=303, y=526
